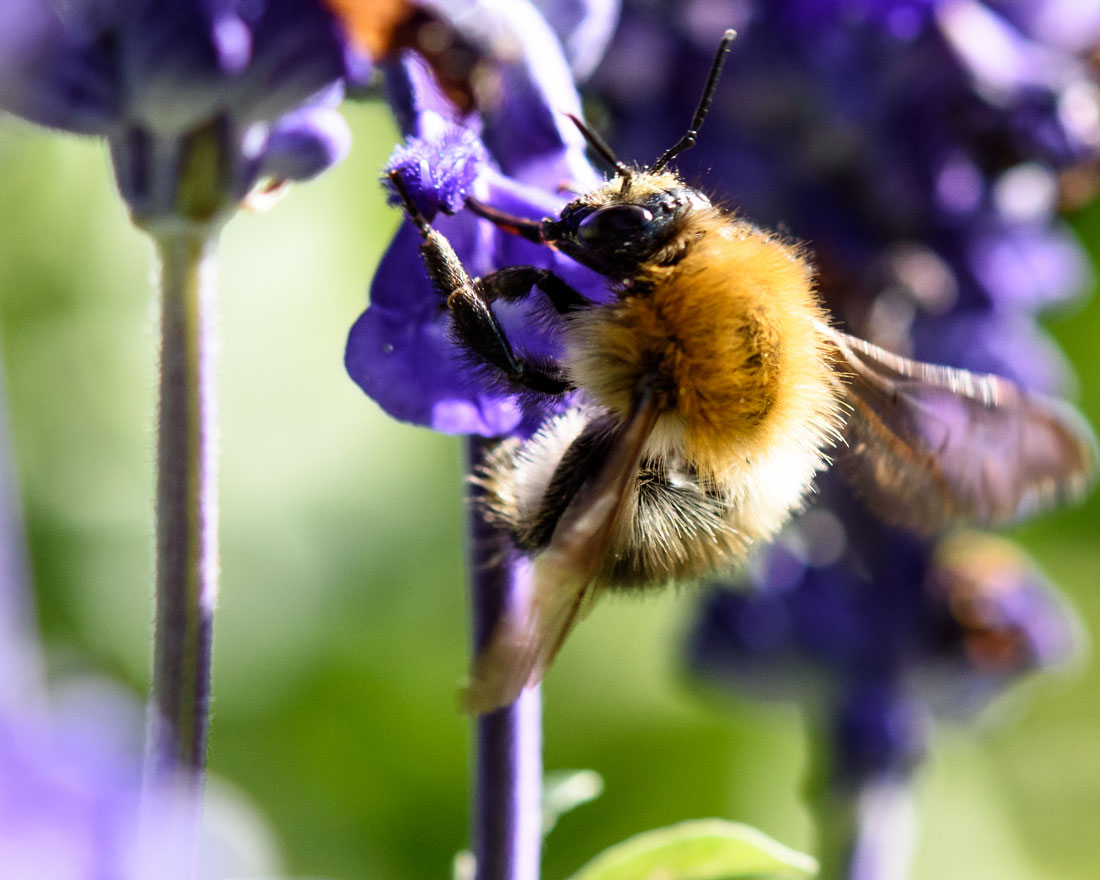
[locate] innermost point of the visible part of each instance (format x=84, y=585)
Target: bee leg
x=515, y=282
x=476, y=327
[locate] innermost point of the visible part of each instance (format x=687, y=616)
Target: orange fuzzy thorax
x=726, y=337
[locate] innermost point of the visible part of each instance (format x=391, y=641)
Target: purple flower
x=875, y=643
x=197, y=99
x=877, y=131
x=70, y=782
x=515, y=153
x=584, y=28
x=69, y=806
x=917, y=147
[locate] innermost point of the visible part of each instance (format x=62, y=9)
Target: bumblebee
x=713, y=388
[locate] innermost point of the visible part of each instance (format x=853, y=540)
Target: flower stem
x=186, y=511
x=865, y=828
x=507, y=795
x=21, y=675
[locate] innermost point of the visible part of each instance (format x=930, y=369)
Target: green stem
x=186, y=511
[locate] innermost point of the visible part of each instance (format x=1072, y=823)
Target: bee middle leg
x=476, y=326
x=515, y=282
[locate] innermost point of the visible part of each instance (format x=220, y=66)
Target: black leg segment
x=515, y=282
x=476, y=327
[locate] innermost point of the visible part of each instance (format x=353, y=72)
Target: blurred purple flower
x=584, y=28
x=880, y=130
x=875, y=643
x=184, y=89
x=865, y=126
x=917, y=147
x=515, y=153
x=70, y=783
x=69, y=806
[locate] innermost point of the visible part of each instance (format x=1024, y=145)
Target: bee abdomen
x=676, y=530
x=673, y=527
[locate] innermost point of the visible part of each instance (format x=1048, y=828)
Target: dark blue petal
x=401, y=354
x=413, y=371
x=56, y=75
x=584, y=28
x=526, y=129
x=305, y=143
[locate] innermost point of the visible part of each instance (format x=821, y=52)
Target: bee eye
x=613, y=222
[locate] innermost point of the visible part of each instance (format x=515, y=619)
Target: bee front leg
x=476, y=327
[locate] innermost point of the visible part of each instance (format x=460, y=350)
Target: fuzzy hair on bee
x=713, y=388
x=721, y=328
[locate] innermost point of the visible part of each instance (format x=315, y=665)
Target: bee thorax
x=713, y=341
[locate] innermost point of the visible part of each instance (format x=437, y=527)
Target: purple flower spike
x=873, y=641
x=165, y=82
x=400, y=351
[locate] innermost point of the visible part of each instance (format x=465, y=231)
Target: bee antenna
x=600, y=146
x=688, y=140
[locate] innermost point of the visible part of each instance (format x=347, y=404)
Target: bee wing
x=929, y=445
x=526, y=639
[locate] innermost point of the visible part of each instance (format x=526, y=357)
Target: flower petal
x=584, y=28
x=305, y=143
x=53, y=74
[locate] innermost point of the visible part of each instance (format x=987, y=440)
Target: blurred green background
x=341, y=633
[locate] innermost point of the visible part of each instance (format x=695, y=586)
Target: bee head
x=633, y=217
x=627, y=222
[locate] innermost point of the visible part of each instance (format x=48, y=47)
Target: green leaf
x=565, y=790
x=704, y=849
